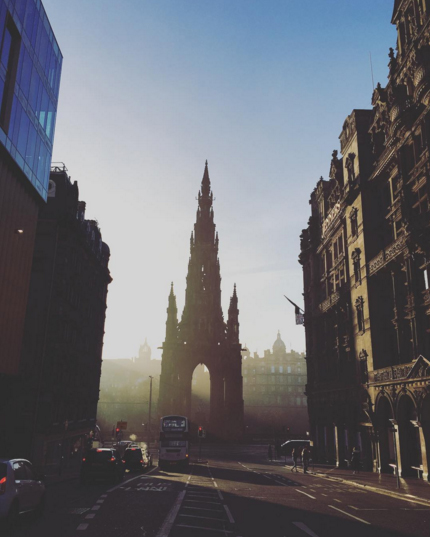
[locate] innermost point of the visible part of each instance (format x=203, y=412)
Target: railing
x=387, y=254
x=329, y=302
x=391, y=373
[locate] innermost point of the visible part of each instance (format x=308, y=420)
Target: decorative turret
x=233, y=319
x=172, y=318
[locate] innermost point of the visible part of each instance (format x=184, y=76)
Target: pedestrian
x=355, y=460
x=295, y=455
x=305, y=459
x=270, y=453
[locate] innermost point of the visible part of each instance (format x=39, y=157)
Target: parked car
x=102, y=463
x=21, y=490
x=136, y=458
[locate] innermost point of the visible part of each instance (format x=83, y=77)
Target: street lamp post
x=394, y=431
x=149, y=413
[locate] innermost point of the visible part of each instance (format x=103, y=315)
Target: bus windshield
x=173, y=441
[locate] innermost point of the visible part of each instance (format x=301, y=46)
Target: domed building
x=274, y=392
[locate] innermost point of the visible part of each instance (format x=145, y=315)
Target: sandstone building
x=366, y=262
x=274, y=392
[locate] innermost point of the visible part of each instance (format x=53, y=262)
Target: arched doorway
x=384, y=413
x=425, y=423
x=410, y=449
x=200, y=396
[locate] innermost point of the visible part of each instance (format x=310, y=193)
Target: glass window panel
x=30, y=17
x=52, y=70
x=31, y=146
x=48, y=60
x=49, y=119
x=34, y=89
x=7, y=40
x=43, y=108
x=23, y=133
x=34, y=30
x=42, y=162
x=26, y=73
x=2, y=19
x=14, y=134
x=44, y=41
x=1, y=90
x=20, y=8
x=12, y=116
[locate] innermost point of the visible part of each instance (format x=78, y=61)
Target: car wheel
x=12, y=517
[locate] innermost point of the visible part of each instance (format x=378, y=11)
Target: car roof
x=14, y=460
x=295, y=442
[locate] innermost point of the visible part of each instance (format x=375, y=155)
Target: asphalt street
x=232, y=491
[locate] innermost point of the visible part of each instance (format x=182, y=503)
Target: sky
x=150, y=89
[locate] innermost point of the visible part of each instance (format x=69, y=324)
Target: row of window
x=272, y=369
x=273, y=379
x=266, y=389
x=283, y=400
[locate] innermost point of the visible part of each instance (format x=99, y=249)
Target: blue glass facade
x=30, y=71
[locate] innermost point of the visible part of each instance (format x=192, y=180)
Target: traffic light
x=200, y=432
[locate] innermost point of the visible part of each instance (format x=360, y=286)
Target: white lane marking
x=322, y=494
x=168, y=522
x=122, y=484
x=306, y=494
x=95, y=507
x=349, y=514
x=230, y=517
x=91, y=515
x=352, y=507
x=220, y=495
x=100, y=501
x=304, y=528
x=82, y=527
x=338, y=501
x=189, y=477
x=203, y=528
x=103, y=496
x=215, y=483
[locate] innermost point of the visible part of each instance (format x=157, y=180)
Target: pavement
x=410, y=488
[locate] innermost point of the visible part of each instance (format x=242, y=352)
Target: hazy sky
x=152, y=88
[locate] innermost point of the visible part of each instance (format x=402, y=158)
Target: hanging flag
x=300, y=314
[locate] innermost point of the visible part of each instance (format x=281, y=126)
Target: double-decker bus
x=173, y=441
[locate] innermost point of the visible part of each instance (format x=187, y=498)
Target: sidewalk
x=410, y=488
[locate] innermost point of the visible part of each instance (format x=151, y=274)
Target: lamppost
x=394, y=431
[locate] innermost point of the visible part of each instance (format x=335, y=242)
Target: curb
x=405, y=497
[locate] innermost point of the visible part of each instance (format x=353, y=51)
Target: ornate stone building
x=274, y=392
x=202, y=336
x=366, y=262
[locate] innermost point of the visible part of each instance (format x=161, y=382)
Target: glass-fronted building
x=30, y=70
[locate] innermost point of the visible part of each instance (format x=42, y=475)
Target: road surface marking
x=203, y=528
x=95, y=507
x=203, y=517
x=189, y=477
x=322, y=494
x=201, y=501
x=103, y=496
x=215, y=483
x=230, y=517
x=82, y=527
x=352, y=507
x=306, y=494
x=203, y=509
x=100, y=501
x=121, y=485
x=91, y=515
x=168, y=523
x=338, y=501
x=304, y=528
x=348, y=514
x=220, y=495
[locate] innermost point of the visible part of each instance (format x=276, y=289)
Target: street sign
x=121, y=425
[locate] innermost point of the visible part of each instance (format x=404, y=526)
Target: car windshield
x=99, y=456
x=3, y=470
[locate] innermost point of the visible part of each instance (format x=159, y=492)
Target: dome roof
x=279, y=345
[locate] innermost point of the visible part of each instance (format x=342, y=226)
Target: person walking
x=305, y=459
x=270, y=454
x=355, y=460
x=295, y=455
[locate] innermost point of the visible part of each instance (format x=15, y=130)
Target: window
x=19, y=471
x=9, y=55
x=281, y=369
x=289, y=369
x=272, y=369
x=356, y=265
x=359, y=306
x=354, y=221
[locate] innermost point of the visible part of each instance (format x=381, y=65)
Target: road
x=234, y=491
